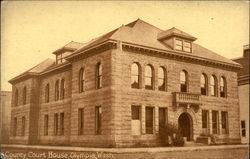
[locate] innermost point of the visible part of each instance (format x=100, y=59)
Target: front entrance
x=185, y=126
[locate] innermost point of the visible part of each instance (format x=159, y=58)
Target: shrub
x=178, y=140
x=213, y=139
x=168, y=131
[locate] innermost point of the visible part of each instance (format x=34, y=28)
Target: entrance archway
x=185, y=125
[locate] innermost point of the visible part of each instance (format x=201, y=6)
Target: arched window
x=183, y=81
x=81, y=80
x=57, y=90
x=47, y=93
x=161, y=79
x=24, y=95
x=62, y=89
x=213, y=85
x=149, y=77
x=99, y=76
x=222, y=87
x=16, y=97
x=203, y=84
x=135, y=75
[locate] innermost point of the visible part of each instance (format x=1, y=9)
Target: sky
x=32, y=30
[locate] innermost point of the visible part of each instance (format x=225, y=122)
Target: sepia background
x=32, y=30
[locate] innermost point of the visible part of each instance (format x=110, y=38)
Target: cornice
x=56, y=67
x=243, y=80
x=178, y=56
x=111, y=44
x=89, y=51
x=28, y=75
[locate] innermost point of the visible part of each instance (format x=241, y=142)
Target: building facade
x=119, y=89
x=243, y=82
x=5, y=112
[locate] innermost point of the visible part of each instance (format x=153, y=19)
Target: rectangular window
x=55, y=124
x=23, y=126
x=80, y=121
x=162, y=118
x=15, y=127
x=224, y=122
x=135, y=120
x=178, y=44
x=98, y=120
x=149, y=120
x=46, y=124
x=243, y=128
x=62, y=123
x=215, y=122
x=205, y=121
x=59, y=58
x=187, y=46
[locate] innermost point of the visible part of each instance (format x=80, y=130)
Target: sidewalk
x=68, y=152
x=124, y=150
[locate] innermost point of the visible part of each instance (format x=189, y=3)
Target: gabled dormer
x=66, y=50
x=177, y=39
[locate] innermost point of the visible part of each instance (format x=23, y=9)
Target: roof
x=142, y=33
x=46, y=64
x=70, y=46
x=244, y=61
x=246, y=47
x=175, y=32
x=137, y=32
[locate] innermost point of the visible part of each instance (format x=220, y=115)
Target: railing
x=186, y=98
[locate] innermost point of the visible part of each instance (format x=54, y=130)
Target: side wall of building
x=126, y=96
x=28, y=111
x=244, y=110
x=89, y=99
x=5, y=112
x=59, y=106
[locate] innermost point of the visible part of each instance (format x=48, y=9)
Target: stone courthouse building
x=118, y=90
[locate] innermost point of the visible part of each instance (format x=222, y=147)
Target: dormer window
x=176, y=39
x=60, y=58
x=65, y=51
x=178, y=44
x=182, y=45
x=187, y=46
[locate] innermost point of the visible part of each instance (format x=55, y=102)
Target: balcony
x=188, y=99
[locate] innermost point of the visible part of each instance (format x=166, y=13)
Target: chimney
x=246, y=51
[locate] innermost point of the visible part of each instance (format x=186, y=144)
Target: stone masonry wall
x=89, y=99
x=53, y=106
x=125, y=96
x=21, y=110
x=116, y=97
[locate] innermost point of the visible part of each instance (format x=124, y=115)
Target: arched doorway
x=185, y=125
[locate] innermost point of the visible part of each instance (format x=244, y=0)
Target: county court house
x=117, y=90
